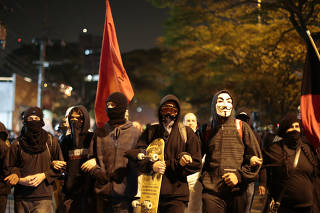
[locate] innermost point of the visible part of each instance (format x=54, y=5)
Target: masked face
x=224, y=105
x=76, y=120
x=191, y=121
x=33, y=123
x=169, y=109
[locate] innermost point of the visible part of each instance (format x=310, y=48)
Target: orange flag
x=112, y=75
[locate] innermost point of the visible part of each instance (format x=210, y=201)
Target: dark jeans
x=171, y=205
x=3, y=203
x=112, y=205
x=28, y=206
x=234, y=203
x=79, y=204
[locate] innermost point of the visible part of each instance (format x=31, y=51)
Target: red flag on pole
x=112, y=75
x=310, y=95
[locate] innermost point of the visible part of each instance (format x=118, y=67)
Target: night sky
x=138, y=23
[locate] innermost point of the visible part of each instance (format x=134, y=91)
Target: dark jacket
x=4, y=148
x=296, y=183
x=115, y=175
x=77, y=182
x=174, y=181
x=23, y=164
x=227, y=152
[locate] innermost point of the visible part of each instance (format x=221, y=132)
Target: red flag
x=112, y=75
x=310, y=96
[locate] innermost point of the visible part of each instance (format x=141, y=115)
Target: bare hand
x=12, y=179
x=159, y=167
x=88, y=165
x=254, y=161
x=185, y=160
x=262, y=190
x=230, y=179
x=33, y=180
x=58, y=164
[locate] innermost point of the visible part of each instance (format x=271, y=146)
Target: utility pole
x=43, y=45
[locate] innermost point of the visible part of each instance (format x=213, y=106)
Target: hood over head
x=84, y=117
x=168, y=98
x=214, y=115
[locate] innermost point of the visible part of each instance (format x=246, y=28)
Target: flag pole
x=313, y=44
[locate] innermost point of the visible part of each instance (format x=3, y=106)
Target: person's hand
x=262, y=190
x=58, y=164
x=33, y=180
x=12, y=179
x=185, y=160
x=88, y=165
x=230, y=179
x=159, y=167
x=254, y=161
x=37, y=179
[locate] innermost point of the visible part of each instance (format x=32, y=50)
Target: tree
x=212, y=45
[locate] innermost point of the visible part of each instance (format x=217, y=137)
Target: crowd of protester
x=218, y=166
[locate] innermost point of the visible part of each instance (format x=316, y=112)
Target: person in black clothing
x=78, y=188
x=291, y=165
x=182, y=156
x=28, y=165
x=229, y=146
x=4, y=148
x=115, y=176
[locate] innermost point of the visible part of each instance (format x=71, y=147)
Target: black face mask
x=292, y=138
x=76, y=124
x=34, y=126
x=166, y=119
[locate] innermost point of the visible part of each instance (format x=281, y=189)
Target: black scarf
x=292, y=139
x=33, y=139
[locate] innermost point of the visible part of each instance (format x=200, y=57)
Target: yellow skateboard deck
x=151, y=183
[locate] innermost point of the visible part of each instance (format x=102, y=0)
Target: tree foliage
x=255, y=52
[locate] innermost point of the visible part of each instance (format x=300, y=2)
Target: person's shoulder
x=100, y=132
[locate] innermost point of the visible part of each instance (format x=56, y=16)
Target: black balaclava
x=292, y=138
x=33, y=138
x=117, y=112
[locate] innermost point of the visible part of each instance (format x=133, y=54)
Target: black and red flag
x=310, y=94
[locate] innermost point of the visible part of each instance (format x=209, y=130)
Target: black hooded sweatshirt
x=227, y=152
x=75, y=149
x=4, y=148
x=24, y=163
x=174, y=182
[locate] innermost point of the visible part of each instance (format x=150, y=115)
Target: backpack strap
x=239, y=127
x=183, y=132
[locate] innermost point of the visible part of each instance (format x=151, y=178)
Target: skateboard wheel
x=154, y=157
x=141, y=156
x=148, y=205
x=135, y=203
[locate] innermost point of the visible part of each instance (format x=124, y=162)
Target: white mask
x=190, y=120
x=224, y=105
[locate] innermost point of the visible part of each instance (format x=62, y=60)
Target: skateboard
x=151, y=183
